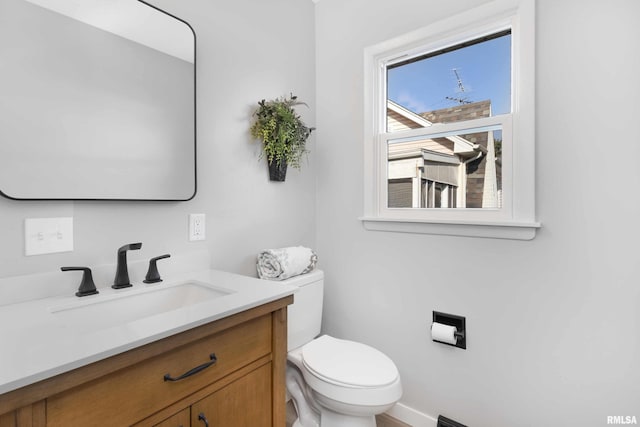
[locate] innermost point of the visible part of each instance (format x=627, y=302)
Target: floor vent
x=446, y=422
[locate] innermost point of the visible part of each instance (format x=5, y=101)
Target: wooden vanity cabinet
x=238, y=381
x=181, y=419
x=225, y=407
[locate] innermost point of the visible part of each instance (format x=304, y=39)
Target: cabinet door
x=245, y=402
x=181, y=419
x=29, y=416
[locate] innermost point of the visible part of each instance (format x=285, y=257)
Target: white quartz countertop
x=37, y=345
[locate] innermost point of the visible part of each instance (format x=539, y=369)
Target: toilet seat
x=347, y=377
x=348, y=364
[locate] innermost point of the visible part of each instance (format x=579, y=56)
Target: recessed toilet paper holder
x=453, y=320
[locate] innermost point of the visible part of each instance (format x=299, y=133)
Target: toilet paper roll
x=443, y=333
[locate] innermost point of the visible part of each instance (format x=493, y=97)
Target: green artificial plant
x=281, y=130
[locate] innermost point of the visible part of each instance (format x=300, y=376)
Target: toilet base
x=332, y=419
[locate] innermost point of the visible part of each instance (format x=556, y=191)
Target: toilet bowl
x=348, y=382
x=333, y=382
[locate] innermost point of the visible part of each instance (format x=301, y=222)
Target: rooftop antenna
x=461, y=100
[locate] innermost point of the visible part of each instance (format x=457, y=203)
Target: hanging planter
x=277, y=171
x=283, y=134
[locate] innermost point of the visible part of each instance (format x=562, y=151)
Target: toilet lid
x=348, y=363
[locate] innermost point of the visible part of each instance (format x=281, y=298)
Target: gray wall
x=554, y=323
x=246, y=52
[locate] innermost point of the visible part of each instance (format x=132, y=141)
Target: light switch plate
x=48, y=235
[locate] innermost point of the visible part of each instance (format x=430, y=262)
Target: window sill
x=496, y=230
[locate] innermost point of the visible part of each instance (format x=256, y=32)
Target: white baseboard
x=412, y=417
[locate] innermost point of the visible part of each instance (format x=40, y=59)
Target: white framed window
x=459, y=158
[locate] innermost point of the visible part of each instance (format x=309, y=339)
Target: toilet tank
x=305, y=314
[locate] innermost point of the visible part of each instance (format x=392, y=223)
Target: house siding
x=475, y=169
x=397, y=122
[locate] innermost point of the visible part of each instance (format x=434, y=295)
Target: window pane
x=464, y=82
x=448, y=170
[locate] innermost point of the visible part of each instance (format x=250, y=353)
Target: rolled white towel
x=282, y=263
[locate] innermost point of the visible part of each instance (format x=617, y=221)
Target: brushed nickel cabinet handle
x=200, y=368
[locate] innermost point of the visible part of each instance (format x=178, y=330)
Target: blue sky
x=484, y=68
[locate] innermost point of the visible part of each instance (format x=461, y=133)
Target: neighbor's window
x=452, y=136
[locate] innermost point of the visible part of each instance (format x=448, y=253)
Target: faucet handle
x=87, y=287
x=153, y=276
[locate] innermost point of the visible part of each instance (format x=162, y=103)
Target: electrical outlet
x=48, y=235
x=197, y=227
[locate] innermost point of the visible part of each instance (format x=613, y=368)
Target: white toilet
x=333, y=382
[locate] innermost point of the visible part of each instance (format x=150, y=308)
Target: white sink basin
x=103, y=311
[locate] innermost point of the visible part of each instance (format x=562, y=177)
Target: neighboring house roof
x=455, y=113
x=412, y=118
x=400, y=118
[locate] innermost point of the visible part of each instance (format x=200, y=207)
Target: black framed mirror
x=98, y=101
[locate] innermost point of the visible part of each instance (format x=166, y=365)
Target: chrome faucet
x=122, y=272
